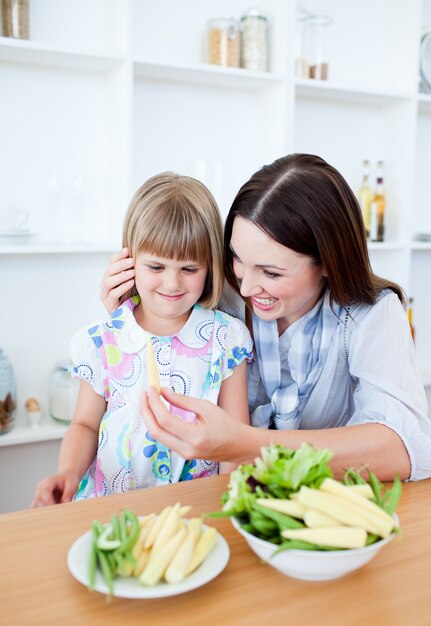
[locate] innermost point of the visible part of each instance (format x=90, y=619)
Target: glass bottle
x=8, y=397
x=378, y=206
x=15, y=17
x=302, y=69
x=254, y=54
x=318, y=25
x=223, y=42
x=410, y=317
x=63, y=392
x=365, y=195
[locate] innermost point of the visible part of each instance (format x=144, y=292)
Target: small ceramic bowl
x=312, y=564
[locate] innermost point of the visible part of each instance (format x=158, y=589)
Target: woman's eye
x=270, y=274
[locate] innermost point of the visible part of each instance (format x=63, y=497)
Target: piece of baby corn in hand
x=205, y=544
x=156, y=566
x=177, y=568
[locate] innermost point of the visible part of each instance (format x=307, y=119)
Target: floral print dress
x=111, y=356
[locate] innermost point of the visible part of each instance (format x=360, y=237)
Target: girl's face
x=168, y=289
x=280, y=283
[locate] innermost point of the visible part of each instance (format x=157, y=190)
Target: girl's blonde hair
x=176, y=217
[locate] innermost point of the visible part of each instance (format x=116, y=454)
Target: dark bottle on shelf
x=410, y=317
x=365, y=195
x=377, y=209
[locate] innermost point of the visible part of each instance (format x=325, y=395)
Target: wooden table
x=36, y=587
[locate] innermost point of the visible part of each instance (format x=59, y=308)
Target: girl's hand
x=117, y=279
x=55, y=490
x=214, y=435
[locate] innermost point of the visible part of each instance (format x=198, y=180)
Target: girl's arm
x=77, y=451
x=233, y=399
x=217, y=436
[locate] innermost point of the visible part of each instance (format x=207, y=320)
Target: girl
x=173, y=230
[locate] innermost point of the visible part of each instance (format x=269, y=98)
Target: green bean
x=106, y=571
x=92, y=565
x=115, y=527
x=371, y=538
x=295, y=544
x=263, y=524
x=248, y=527
x=376, y=486
x=227, y=513
x=111, y=561
x=123, y=529
x=97, y=527
x=394, y=495
x=351, y=477
x=131, y=539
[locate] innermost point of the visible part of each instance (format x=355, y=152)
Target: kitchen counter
x=36, y=587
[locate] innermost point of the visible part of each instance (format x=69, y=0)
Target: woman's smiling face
x=281, y=284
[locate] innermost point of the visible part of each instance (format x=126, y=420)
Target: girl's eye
x=190, y=270
x=155, y=268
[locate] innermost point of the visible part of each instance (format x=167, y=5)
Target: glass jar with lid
x=223, y=42
x=7, y=394
x=318, y=55
x=254, y=41
x=63, y=392
x=301, y=43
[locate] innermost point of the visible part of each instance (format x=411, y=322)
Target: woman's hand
x=55, y=490
x=214, y=436
x=117, y=279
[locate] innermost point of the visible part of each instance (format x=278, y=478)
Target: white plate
x=214, y=564
x=16, y=236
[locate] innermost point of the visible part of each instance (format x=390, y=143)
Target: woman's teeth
x=265, y=301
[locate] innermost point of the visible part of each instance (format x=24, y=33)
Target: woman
x=332, y=342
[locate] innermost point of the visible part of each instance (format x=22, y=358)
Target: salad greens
x=280, y=473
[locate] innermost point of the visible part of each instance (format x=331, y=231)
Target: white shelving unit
x=114, y=91
x=48, y=430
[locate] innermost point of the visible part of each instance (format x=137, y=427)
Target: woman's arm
x=233, y=399
x=216, y=436
x=77, y=451
x=118, y=278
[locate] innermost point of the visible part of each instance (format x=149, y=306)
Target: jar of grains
x=223, y=42
x=15, y=18
x=254, y=54
x=7, y=394
x=63, y=392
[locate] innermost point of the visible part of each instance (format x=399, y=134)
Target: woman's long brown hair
x=305, y=204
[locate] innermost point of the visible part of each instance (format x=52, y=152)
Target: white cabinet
x=113, y=91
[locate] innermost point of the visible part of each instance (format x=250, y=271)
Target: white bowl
x=312, y=564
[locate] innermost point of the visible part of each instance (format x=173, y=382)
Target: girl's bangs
x=185, y=241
